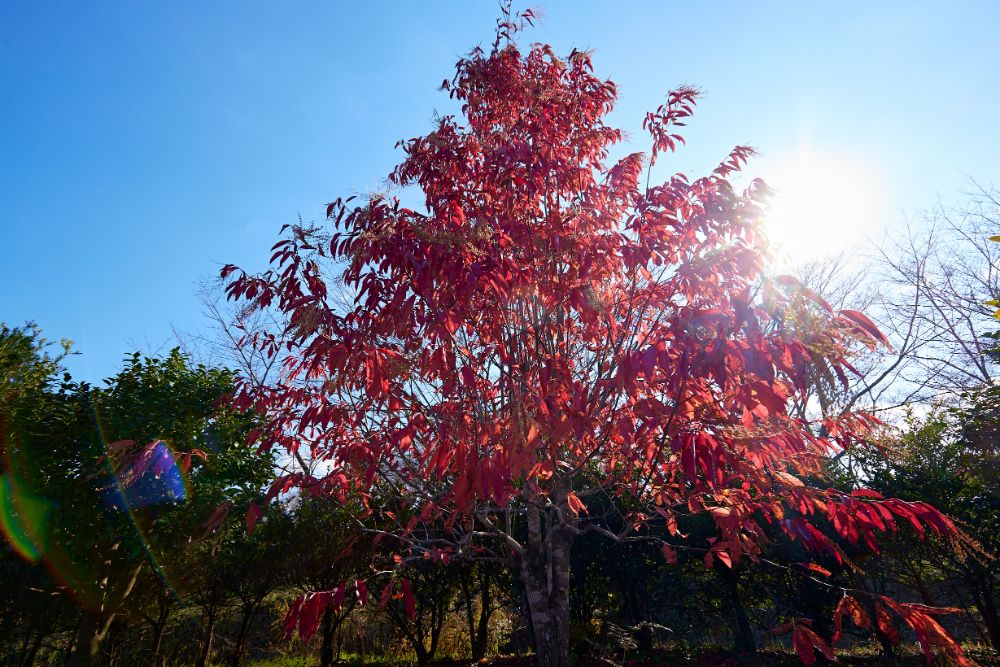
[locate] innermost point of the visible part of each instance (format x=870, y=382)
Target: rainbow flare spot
x=22, y=519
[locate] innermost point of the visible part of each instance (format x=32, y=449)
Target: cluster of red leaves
x=306, y=611
x=546, y=323
x=919, y=618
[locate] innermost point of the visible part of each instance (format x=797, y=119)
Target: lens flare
x=22, y=519
x=144, y=483
x=102, y=523
x=149, y=478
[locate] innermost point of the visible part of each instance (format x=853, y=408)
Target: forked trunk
x=478, y=630
x=93, y=632
x=545, y=568
x=159, y=626
x=205, y=650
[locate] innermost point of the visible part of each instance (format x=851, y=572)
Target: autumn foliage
x=543, y=326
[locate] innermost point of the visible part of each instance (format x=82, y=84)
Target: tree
x=53, y=473
x=476, y=583
x=947, y=457
x=248, y=567
x=34, y=604
x=420, y=610
x=329, y=551
x=547, y=330
x=104, y=484
x=929, y=295
x=175, y=454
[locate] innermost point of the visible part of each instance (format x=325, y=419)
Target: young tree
x=546, y=330
x=420, y=613
x=329, y=551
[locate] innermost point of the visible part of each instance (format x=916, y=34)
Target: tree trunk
x=158, y=629
x=29, y=659
x=481, y=638
x=888, y=650
x=159, y=626
x=205, y=651
x=921, y=586
x=89, y=643
x=68, y=659
x=326, y=648
x=89, y=649
x=463, y=582
x=244, y=633
x=96, y=627
x=545, y=568
x=991, y=617
x=744, y=633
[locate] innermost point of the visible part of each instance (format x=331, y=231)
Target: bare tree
x=228, y=324
x=927, y=291
x=225, y=342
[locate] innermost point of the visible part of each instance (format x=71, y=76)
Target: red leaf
x=309, y=616
x=783, y=628
x=254, y=513
x=576, y=505
x=807, y=642
x=885, y=625
x=929, y=632
x=386, y=594
x=803, y=645
x=724, y=557
x=852, y=609
x=793, y=282
x=669, y=554
x=338, y=598
x=408, y=601
x=217, y=516
x=861, y=320
x=292, y=617
x=362, y=591
x=818, y=569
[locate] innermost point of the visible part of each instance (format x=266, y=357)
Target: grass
x=346, y=660
x=860, y=656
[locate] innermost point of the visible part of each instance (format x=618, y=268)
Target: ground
x=910, y=657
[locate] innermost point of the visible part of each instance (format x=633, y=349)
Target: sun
x=823, y=204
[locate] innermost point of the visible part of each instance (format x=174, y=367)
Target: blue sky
x=145, y=144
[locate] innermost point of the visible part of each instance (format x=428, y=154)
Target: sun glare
x=823, y=204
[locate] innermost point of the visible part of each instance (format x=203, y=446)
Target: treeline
x=111, y=560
